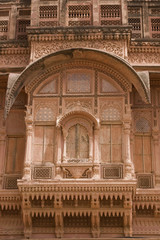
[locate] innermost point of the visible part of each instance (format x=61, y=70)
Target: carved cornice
x=81, y=186
x=79, y=33
x=15, y=51
x=13, y=44
x=144, y=49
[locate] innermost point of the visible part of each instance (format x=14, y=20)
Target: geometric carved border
x=144, y=180
x=42, y=173
x=10, y=181
x=112, y=171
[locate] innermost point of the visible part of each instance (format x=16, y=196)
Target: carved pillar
x=95, y=218
x=91, y=147
x=27, y=219
x=13, y=19
x=124, y=12
x=128, y=224
x=96, y=146
x=35, y=13
x=129, y=167
x=156, y=152
x=28, y=152
x=64, y=145
x=59, y=145
x=128, y=215
x=2, y=152
x=96, y=155
x=95, y=221
x=96, y=13
x=58, y=216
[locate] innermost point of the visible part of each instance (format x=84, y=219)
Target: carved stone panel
x=79, y=81
x=45, y=109
x=111, y=110
x=41, y=49
x=73, y=104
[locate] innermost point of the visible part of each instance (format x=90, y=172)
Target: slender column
x=95, y=221
x=129, y=168
x=13, y=19
x=27, y=219
x=59, y=145
x=35, y=12
x=58, y=216
x=96, y=146
x=124, y=12
x=96, y=155
x=28, y=152
x=90, y=148
x=2, y=152
x=63, y=13
x=156, y=163
x=128, y=224
x=95, y=4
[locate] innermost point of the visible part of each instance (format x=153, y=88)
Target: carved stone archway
x=122, y=68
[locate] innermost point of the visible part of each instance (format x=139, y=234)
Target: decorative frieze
x=44, y=48
x=144, y=58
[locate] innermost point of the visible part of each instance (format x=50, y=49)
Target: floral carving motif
x=42, y=49
x=14, y=60
x=86, y=105
x=144, y=58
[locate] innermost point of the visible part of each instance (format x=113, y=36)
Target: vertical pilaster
x=35, y=13
x=59, y=145
x=95, y=218
x=63, y=13
x=128, y=215
x=28, y=152
x=124, y=11
x=156, y=152
x=96, y=146
x=2, y=152
x=12, y=22
x=95, y=6
x=128, y=224
x=27, y=219
x=145, y=20
x=95, y=221
x=58, y=216
x=129, y=168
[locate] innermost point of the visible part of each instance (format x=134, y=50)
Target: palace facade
x=79, y=119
